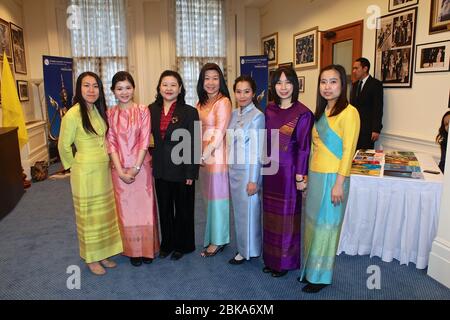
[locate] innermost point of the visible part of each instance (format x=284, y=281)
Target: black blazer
x=184, y=117
x=369, y=104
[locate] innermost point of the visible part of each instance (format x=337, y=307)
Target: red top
x=166, y=119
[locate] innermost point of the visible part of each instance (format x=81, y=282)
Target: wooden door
x=342, y=45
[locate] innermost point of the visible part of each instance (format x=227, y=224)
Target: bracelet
x=138, y=168
x=300, y=180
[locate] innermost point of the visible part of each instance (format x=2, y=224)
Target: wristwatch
x=137, y=168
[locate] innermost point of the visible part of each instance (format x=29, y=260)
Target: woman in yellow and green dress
x=85, y=125
x=335, y=134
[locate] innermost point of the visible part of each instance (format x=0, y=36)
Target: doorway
x=342, y=45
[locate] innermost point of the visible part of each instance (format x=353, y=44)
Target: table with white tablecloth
x=393, y=218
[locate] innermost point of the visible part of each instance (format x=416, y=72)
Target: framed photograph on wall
x=22, y=89
x=5, y=40
x=305, y=49
x=394, y=49
x=18, y=48
x=301, y=84
x=439, y=16
x=270, y=48
x=433, y=57
x=401, y=4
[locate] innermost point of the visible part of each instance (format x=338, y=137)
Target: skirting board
x=439, y=262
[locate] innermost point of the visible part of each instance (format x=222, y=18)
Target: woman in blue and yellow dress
x=85, y=125
x=335, y=134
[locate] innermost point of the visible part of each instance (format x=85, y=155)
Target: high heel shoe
x=314, y=287
x=267, y=270
x=278, y=274
x=206, y=254
x=147, y=260
x=235, y=261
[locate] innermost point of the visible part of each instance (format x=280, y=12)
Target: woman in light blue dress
x=245, y=151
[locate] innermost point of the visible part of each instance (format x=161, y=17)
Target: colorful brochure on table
x=402, y=164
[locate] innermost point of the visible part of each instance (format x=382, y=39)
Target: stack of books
x=367, y=163
x=402, y=164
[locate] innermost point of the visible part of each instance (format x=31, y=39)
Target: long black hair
x=100, y=104
x=291, y=75
x=181, y=96
x=247, y=78
x=202, y=94
x=442, y=136
x=342, y=101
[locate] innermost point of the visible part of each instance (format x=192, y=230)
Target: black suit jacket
x=184, y=117
x=369, y=104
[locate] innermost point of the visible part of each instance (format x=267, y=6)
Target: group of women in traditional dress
x=114, y=198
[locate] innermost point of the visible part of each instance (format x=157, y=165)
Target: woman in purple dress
x=282, y=191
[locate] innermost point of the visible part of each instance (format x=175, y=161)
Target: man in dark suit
x=367, y=97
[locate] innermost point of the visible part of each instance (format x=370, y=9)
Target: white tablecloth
x=393, y=218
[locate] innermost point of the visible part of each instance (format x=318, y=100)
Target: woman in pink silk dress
x=128, y=140
x=214, y=109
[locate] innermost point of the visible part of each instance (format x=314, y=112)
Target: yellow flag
x=11, y=107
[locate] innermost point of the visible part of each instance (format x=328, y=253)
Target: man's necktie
x=358, y=88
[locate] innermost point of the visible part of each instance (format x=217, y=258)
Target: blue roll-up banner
x=58, y=83
x=258, y=68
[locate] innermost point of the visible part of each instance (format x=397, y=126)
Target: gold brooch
x=174, y=119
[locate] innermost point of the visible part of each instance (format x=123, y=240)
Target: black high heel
x=136, y=261
x=278, y=274
x=234, y=261
x=267, y=270
x=207, y=254
x=314, y=287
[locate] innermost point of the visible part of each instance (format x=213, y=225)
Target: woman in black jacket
x=173, y=123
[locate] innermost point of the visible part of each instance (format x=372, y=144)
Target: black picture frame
x=22, y=90
x=269, y=45
x=394, y=48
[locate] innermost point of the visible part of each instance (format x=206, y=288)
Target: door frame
x=352, y=31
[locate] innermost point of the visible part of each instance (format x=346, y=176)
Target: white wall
x=46, y=34
x=12, y=11
x=411, y=115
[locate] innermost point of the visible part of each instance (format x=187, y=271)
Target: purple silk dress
x=282, y=202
